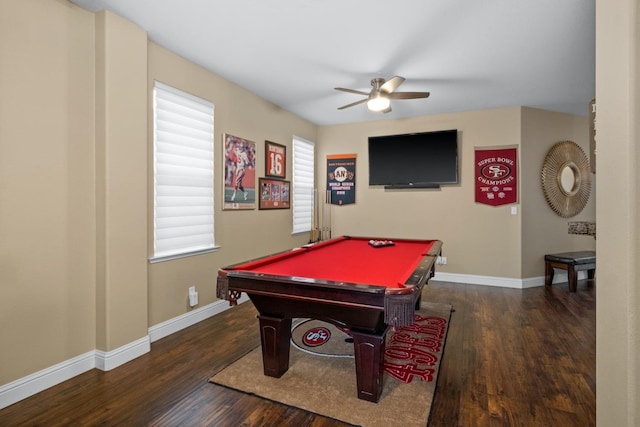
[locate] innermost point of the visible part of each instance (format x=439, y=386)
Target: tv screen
x=414, y=160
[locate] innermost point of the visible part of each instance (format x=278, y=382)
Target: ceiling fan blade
x=392, y=84
x=352, y=104
x=357, y=92
x=408, y=95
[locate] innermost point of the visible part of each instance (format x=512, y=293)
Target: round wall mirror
x=570, y=179
x=565, y=179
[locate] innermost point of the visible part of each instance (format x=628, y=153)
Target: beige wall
x=241, y=235
x=47, y=200
x=478, y=240
x=121, y=187
x=543, y=231
x=449, y=214
x=618, y=211
x=75, y=221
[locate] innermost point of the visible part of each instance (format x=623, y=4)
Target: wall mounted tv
x=414, y=160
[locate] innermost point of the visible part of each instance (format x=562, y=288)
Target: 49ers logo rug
x=321, y=338
x=316, y=336
x=411, y=352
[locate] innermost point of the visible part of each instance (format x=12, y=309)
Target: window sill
x=156, y=259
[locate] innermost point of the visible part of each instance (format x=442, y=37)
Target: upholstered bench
x=572, y=262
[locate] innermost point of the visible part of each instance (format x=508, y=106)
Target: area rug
x=321, y=338
x=327, y=385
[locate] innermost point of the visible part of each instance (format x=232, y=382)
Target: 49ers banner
x=496, y=176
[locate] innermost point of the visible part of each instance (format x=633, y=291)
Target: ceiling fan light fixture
x=378, y=102
x=381, y=94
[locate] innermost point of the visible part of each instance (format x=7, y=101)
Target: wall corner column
x=121, y=184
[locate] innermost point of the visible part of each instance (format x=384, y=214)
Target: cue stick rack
x=325, y=230
x=321, y=220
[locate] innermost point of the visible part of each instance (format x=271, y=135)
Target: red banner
x=496, y=176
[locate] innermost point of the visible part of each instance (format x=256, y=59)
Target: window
x=303, y=184
x=182, y=173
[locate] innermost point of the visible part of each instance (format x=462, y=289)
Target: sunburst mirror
x=566, y=181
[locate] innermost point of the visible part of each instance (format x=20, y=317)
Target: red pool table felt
x=347, y=259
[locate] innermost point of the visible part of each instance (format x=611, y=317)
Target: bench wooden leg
x=572, y=263
x=548, y=274
x=573, y=278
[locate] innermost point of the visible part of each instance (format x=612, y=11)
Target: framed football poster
x=274, y=193
x=239, y=173
x=275, y=160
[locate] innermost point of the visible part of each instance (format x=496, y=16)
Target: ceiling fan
x=379, y=98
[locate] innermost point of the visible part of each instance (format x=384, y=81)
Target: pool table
x=351, y=282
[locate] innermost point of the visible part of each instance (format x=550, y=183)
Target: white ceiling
x=469, y=54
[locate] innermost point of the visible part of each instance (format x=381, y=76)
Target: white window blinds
x=183, y=173
x=303, y=184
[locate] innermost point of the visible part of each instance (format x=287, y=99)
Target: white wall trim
x=469, y=279
x=22, y=388
x=504, y=282
x=31, y=384
x=106, y=361
x=178, y=323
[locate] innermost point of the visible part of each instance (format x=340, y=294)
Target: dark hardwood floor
x=512, y=358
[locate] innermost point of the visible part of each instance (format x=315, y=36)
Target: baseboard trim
x=106, y=361
x=32, y=384
x=25, y=387
x=178, y=323
x=504, y=282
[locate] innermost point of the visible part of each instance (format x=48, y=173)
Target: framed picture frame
x=275, y=160
x=592, y=135
x=239, y=180
x=274, y=194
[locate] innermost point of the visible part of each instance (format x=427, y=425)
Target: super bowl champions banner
x=496, y=175
x=341, y=178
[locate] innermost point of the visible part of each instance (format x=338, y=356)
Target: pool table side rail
x=398, y=304
x=423, y=272
x=256, y=262
x=232, y=283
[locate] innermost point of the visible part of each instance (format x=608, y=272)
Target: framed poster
x=592, y=135
x=275, y=160
x=239, y=173
x=274, y=194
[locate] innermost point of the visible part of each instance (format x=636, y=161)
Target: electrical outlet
x=193, y=296
x=441, y=260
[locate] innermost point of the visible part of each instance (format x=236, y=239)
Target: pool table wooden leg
x=275, y=334
x=369, y=355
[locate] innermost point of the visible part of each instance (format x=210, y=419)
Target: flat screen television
x=414, y=160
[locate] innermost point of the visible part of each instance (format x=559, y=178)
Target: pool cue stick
x=314, y=220
x=326, y=215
